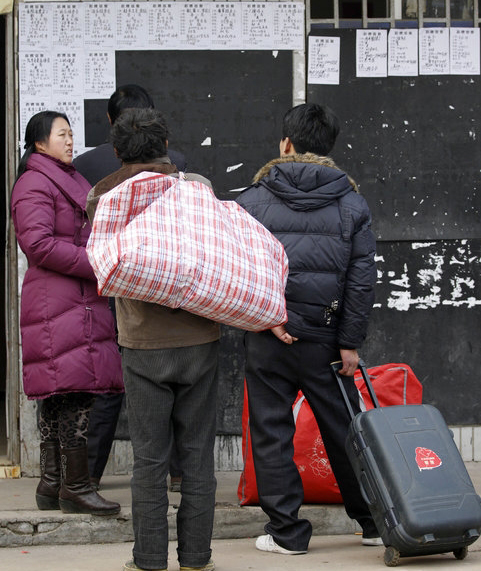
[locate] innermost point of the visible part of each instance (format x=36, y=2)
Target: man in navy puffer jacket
x=317, y=213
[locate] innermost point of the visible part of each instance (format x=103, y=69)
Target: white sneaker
x=267, y=543
x=372, y=541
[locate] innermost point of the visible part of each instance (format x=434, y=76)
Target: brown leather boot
x=76, y=493
x=49, y=485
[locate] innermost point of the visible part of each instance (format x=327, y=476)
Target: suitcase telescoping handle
x=336, y=366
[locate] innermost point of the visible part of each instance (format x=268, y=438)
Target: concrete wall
x=228, y=451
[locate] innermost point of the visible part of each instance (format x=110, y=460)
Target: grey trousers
x=171, y=393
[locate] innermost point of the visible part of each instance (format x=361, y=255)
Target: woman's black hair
x=38, y=130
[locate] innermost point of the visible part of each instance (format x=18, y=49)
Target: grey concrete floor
x=329, y=552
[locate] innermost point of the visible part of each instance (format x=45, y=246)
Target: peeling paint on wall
x=432, y=274
x=234, y=167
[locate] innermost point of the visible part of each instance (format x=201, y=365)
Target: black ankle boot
x=49, y=485
x=76, y=493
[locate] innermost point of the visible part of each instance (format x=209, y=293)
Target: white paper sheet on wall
x=164, y=25
x=227, y=25
x=99, y=26
x=35, y=74
x=131, y=24
x=68, y=73
x=371, y=53
x=324, y=60
x=464, y=51
x=258, y=24
x=403, y=52
x=434, y=51
x=289, y=25
x=99, y=74
x=68, y=25
x=35, y=27
x=196, y=26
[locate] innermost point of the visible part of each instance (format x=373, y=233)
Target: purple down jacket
x=68, y=332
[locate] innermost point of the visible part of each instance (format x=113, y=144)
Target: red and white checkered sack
x=170, y=241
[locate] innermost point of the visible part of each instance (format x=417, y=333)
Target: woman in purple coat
x=68, y=336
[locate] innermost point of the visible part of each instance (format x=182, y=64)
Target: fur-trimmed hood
x=305, y=181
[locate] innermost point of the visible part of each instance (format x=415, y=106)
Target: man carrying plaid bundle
x=169, y=361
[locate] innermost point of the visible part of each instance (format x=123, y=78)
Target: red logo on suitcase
x=427, y=459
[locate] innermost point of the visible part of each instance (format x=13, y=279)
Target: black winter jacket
x=314, y=209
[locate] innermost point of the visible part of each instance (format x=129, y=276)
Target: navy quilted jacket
x=314, y=209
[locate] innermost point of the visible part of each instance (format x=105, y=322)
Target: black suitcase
x=412, y=477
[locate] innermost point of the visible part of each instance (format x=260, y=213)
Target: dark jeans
x=275, y=372
x=172, y=390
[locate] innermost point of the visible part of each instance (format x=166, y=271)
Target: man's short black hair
x=128, y=97
x=140, y=135
x=312, y=128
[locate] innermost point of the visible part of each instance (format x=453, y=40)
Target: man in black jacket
x=98, y=163
x=317, y=213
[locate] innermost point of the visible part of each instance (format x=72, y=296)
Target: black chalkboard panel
x=96, y=122
x=412, y=144
x=224, y=108
x=233, y=99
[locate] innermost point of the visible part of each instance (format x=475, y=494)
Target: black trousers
x=275, y=372
x=103, y=423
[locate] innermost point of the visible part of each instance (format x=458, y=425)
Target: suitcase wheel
x=391, y=556
x=460, y=553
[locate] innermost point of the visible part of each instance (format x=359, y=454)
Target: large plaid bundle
x=165, y=240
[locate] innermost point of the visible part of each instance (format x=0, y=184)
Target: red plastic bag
x=310, y=456
x=393, y=383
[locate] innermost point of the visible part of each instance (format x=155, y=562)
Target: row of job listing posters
x=398, y=52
